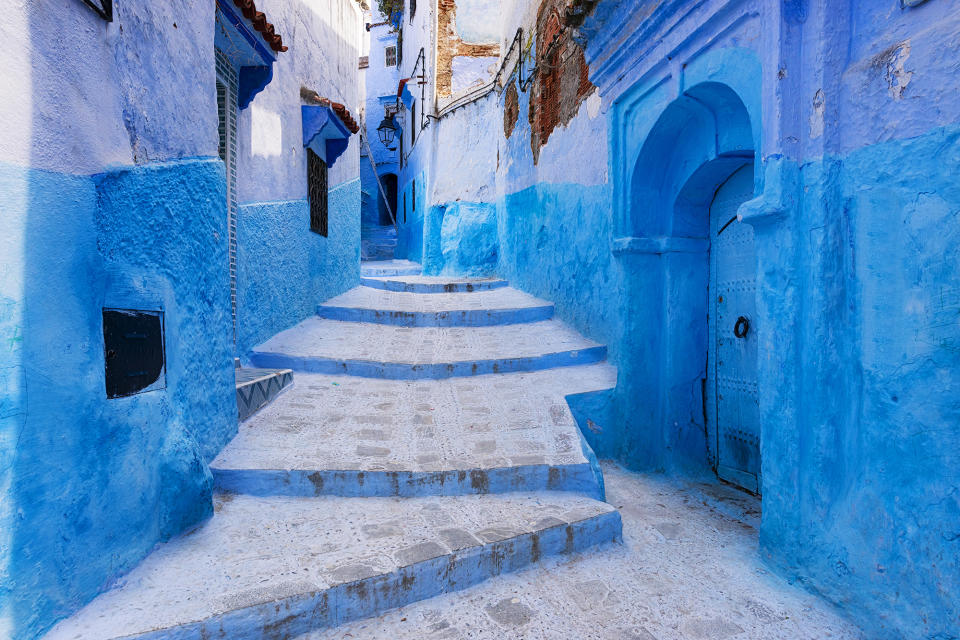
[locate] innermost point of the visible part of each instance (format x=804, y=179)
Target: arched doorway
x=693, y=379
x=389, y=181
x=733, y=401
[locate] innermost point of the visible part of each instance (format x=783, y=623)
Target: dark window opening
x=400, y=136
x=390, y=185
x=413, y=9
x=413, y=124
x=390, y=56
x=413, y=196
x=317, y=192
x=404, y=207
x=133, y=355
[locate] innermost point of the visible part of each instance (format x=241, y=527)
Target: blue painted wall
x=92, y=484
x=112, y=196
x=863, y=503
x=285, y=270
x=849, y=112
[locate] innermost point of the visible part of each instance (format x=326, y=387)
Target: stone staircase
x=426, y=446
x=378, y=242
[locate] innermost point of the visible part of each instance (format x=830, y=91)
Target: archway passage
x=732, y=347
x=389, y=181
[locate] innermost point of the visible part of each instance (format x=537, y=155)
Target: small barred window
x=390, y=54
x=317, y=192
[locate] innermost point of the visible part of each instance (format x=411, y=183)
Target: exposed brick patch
x=449, y=46
x=562, y=81
x=511, y=110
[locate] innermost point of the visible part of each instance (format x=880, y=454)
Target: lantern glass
x=386, y=131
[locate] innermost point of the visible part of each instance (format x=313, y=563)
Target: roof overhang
x=250, y=43
x=324, y=132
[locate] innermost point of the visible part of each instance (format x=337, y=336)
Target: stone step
x=375, y=268
x=280, y=567
x=348, y=436
x=256, y=388
x=403, y=353
x=432, y=284
x=481, y=309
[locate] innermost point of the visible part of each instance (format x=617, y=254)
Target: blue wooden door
x=733, y=334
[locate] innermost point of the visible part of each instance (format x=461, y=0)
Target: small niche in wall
x=133, y=350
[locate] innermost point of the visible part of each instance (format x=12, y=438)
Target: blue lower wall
x=860, y=381
x=460, y=239
x=90, y=485
x=861, y=486
x=284, y=270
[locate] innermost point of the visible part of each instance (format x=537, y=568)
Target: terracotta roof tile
x=309, y=95
x=259, y=20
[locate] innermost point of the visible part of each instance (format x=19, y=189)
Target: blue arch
x=707, y=128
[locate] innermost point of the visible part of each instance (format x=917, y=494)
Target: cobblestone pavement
x=689, y=569
x=262, y=553
x=390, y=301
x=333, y=339
x=345, y=422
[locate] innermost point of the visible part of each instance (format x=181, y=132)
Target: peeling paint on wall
x=561, y=82
x=511, y=110
x=816, y=116
x=893, y=62
x=450, y=45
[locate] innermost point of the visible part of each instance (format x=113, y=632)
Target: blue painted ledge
x=431, y=287
x=464, y=318
x=577, y=478
x=659, y=245
x=305, y=610
x=431, y=371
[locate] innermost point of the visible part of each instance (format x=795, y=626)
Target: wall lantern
x=386, y=130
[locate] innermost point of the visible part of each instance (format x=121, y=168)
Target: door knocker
x=741, y=328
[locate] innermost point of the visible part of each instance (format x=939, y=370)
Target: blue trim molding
x=324, y=133
x=255, y=64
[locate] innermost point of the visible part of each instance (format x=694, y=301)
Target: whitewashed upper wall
x=324, y=40
x=81, y=94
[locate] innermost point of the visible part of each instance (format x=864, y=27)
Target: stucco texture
x=92, y=484
x=285, y=270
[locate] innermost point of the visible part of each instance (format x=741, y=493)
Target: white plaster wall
x=70, y=78
x=478, y=20
x=381, y=80
x=466, y=153
x=325, y=41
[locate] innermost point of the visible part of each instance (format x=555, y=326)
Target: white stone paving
x=388, y=267
x=689, y=569
x=333, y=339
x=392, y=301
x=342, y=422
x=436, y=280
x=259, y=551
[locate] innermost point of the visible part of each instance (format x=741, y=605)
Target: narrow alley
x=480, y=319
x=426, y=445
